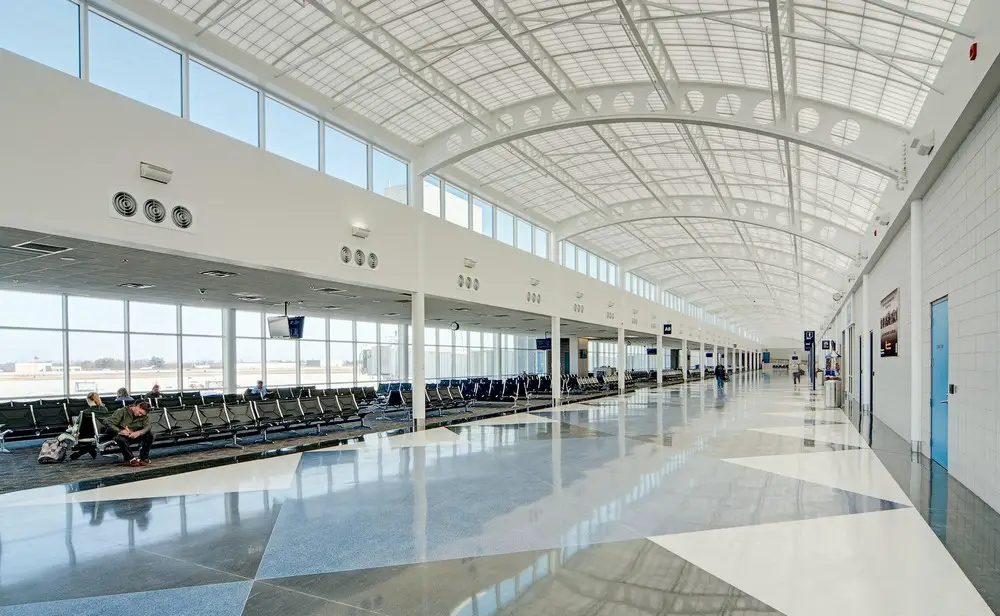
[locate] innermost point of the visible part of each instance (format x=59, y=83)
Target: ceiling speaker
x=181, y=216
x=154, y=211
x=124, y=204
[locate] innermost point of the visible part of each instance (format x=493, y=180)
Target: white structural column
x=419, y=381
x=866, y=367
x=417, y=316
x=659, y=360
x=684, y=358
x=229, y=350
x=916, y=323
x=621, y=359
x=556, y=361
x=701, y=361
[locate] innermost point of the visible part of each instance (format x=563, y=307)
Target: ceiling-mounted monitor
x=285, y=327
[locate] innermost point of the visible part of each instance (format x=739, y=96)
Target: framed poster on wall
x=890, y=325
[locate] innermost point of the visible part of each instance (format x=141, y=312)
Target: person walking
x=720, y=375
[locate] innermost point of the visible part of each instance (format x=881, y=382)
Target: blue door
x=939, y=382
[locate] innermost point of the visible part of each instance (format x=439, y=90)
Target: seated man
x=129, y=426
x=123, y=397
x=259, y=390
x=155, y=392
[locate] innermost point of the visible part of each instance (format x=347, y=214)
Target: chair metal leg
x=264, y=435
x=3, y=441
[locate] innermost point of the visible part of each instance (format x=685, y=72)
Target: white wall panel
x=68, y=146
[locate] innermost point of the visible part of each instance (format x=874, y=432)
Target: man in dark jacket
x=720, y=375
x=130, y=426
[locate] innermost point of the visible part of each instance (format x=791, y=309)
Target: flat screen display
x=285, y=327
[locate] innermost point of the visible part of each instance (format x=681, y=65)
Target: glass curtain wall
x=66, y=345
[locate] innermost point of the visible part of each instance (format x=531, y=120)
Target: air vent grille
x=124, y=204
x=154, y=211
x=345, y=254
x=39, y=248
x=182, y=217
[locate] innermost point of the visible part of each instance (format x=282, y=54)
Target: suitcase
x=53, y=451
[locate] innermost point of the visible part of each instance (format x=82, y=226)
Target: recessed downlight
x=219, y=274
x=333, y=307
x=390, y=314
x=136, y=285
x=330, y=290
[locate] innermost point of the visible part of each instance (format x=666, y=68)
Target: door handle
x=943, y=402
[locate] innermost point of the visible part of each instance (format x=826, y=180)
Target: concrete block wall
x=891, y=384
x=961, y=239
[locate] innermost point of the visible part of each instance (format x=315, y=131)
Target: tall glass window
x=569, y=255
x=505, y=227
x=432, y=195
x=132, y=65
x=346, y=157
x=202, y=363
x=154, y=361
x=46, y=31
x=96, y=314
x=30, y=310
x=223, y=104
x=541, y=243
x=152, y=318
x=524, y=235
x=97, y=362
x=482, y=217
x=291, y=134
x=389, y=176
x=31, y=361
x=456, y=206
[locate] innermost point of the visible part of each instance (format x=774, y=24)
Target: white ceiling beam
x=869, y=52
x=921, y=17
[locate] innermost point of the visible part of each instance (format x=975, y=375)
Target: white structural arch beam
x=785, y=283
x=877, y=145
x=824, y=232
x=733, y=301
x=762, y=256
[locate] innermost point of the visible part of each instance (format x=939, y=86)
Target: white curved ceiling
x=731, y=114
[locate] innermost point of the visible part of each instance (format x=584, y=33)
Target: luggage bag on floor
x=53, y=451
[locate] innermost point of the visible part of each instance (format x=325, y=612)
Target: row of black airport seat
x=203, y=423
x=34, y=419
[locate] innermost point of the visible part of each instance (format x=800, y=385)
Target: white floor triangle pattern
x=508, y=420
x=420, y=438
x=270, y=474
x=819, y=415
x=869, y=564
x=854, y=470
x=839, y=434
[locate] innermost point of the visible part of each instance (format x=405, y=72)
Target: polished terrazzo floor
x=687, y=500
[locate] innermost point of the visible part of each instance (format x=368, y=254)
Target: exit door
x=939, y=382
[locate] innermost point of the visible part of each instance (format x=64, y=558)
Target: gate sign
x=809, y=336
x=826, y=345
x=668, y=329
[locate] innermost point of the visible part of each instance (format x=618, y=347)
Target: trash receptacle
x=832, y=393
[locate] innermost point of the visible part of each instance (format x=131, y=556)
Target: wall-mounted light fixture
x=470, y=263
x=360, y=232
x=579, y=295
x=535, y=282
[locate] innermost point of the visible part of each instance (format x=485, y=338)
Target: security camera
x=203, y=291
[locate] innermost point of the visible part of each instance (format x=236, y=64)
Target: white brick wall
x=961, y=238
x=891, y=390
